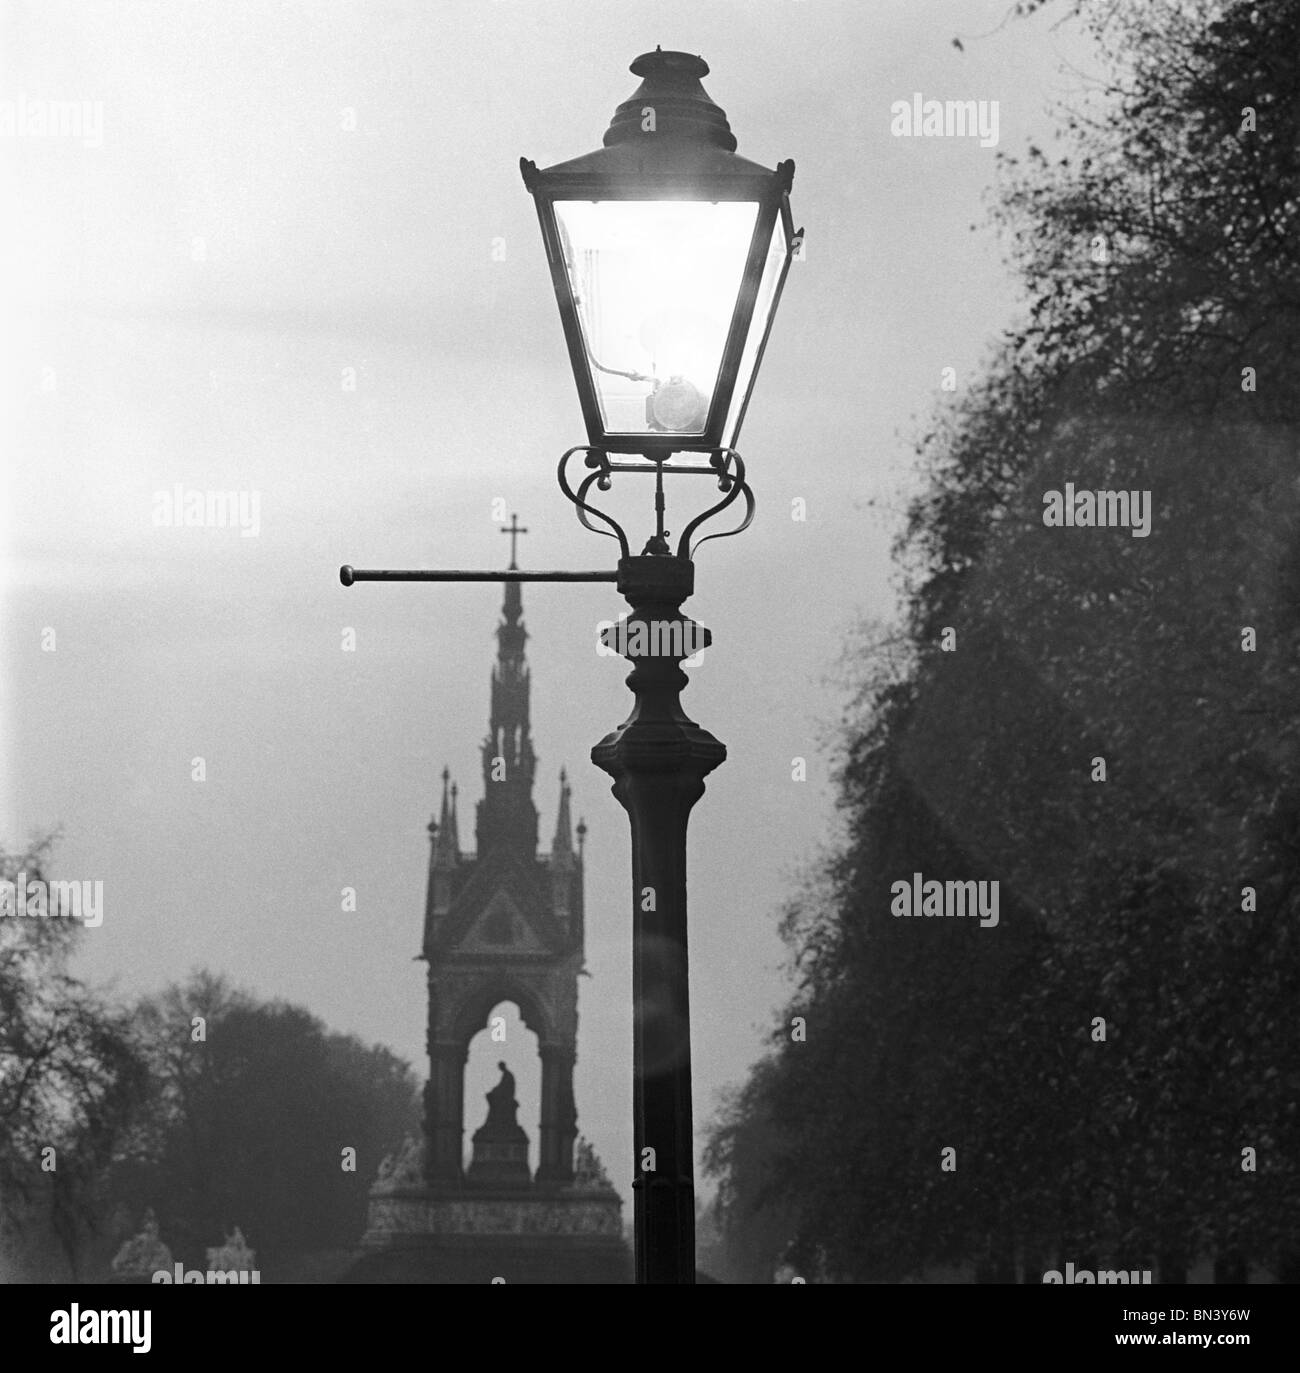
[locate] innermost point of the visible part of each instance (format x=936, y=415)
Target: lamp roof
x=687, y=142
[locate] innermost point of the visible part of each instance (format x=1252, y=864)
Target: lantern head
x=667, y=253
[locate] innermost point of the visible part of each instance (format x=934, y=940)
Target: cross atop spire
x=514, y=530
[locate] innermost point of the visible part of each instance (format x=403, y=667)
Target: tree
x=1160, y=259
x=252, y=1107
x=68, y=1076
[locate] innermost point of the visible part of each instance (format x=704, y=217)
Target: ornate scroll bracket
x=725, y=464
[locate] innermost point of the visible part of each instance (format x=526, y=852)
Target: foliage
x=1159, y=254
x=69, y=1078
x=247, y=1124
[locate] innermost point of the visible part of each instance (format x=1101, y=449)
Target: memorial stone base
x=479, y=1232
x=426, y=1235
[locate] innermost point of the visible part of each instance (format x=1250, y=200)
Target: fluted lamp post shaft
x=658, y=759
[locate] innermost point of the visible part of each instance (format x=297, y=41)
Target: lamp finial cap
x=670, y=88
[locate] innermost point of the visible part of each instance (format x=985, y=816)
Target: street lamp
x=668, y=253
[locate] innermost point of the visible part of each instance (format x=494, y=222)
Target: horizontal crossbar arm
x=348, y=575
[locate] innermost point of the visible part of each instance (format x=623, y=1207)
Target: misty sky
x=180, y=306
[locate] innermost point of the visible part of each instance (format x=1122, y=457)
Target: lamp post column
x=658, y=759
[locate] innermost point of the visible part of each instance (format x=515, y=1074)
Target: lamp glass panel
x=773, y=265
x=655, y=283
